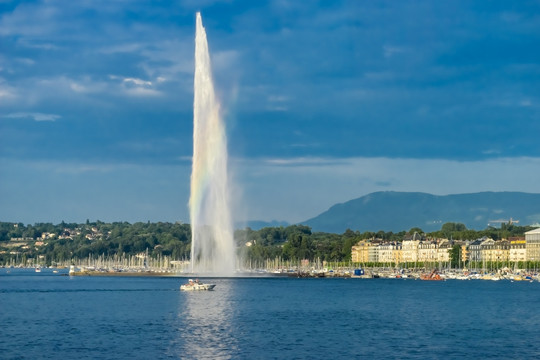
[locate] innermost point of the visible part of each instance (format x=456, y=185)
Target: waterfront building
x=409, y=250
x=427, y=251
x=386, y=253
x=532, y=244
x=475, y=249
x=495, y=251
x=360, y=252
x=443, y=251
x=397, y=254
x=502, y=250
x=373, y=252
x=518, y=250
x=414, y=249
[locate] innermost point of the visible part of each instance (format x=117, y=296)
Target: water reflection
x=206, y=323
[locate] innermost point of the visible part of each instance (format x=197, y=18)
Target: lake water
x=47, y=316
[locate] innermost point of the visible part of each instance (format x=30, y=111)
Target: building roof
x=534, y=231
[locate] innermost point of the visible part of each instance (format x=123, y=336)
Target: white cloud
x=26, y=61
x=137, y=82
x=142, y=91
x=34, y=44
x=300, y=161
x=34, y=115
x=277, y=108
x=278, y=98
x=136, y=87
x=64, y=86
x=491, y=152
x=277, y=103
x=121, y=48
x=6, y=93
x=167, y=58
x=390, y=51
x=29, y=20
x=77, y=87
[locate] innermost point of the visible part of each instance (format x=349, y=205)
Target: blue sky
x=324, y=101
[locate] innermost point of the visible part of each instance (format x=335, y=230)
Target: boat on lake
x=433, y=276
x=196, y=286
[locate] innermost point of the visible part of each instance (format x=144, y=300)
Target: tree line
x=68, y=241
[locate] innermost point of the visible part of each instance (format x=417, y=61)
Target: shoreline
x=122, y=273
x=419, y=274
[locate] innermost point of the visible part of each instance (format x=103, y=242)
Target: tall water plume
x=212, y=245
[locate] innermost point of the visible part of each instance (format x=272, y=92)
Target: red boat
x=433, y=276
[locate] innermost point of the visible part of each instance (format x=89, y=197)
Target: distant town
x=417, y=248
x=166, y=246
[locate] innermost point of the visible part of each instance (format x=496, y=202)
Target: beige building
x=360, y=252
x=409, y=250
x=427, y=251
x=532, y=244
x=386, y=253
x=443, y=251
x=412, y=250
x=373, y=253
x=496, y=251
x=398, y=254
x=518, y=250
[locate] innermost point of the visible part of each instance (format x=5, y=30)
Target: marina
x=299, y=272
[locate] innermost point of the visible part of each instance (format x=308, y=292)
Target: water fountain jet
x=212, y=244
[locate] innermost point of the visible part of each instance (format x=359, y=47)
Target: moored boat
x=433, y=276
x=196, y=286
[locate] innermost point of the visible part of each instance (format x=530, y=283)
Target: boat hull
x=197, y=287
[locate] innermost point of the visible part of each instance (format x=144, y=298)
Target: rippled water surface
x=45, y=315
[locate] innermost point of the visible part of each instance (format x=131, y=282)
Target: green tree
x=416, y=230
x=455, y=256
x=448, y=229
x=299, y=246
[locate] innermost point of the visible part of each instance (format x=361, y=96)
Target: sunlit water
x=50, y=316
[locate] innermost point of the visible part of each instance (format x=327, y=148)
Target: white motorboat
x=196, y=286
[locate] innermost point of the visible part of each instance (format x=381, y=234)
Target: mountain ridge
x=398, y=211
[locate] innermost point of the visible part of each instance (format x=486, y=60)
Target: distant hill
x=397, y=211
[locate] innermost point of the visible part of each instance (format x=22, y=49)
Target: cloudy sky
x=324, y=101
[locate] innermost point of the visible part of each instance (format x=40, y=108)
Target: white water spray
x=212, y=244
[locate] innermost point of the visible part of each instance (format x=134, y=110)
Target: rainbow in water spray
x=212, y=245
